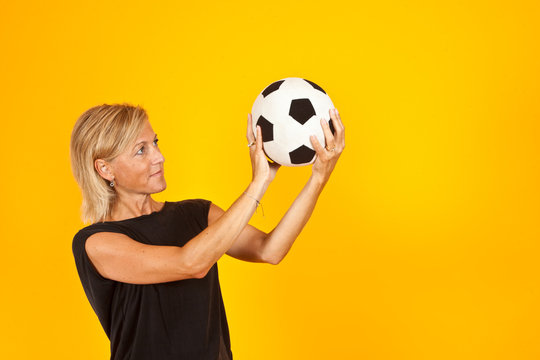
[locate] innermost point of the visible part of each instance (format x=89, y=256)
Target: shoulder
x=196, y=209
x=80, y=238
x=194, y=206
x=83, y=263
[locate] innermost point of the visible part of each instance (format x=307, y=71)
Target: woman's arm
x=255, y=245
x=120, y=258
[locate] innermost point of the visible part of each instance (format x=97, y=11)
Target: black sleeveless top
x=182, y=319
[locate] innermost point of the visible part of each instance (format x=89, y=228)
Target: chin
x=163, y=186
x=160, y=189
x=157, y=188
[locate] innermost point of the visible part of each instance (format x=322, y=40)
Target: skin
x=139, y=173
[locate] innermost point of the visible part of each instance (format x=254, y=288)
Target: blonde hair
x=101, y=132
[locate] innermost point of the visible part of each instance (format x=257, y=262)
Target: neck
x=126, y=207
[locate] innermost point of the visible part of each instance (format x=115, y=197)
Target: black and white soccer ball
x=289, y=112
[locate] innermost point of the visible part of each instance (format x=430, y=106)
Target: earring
x=112, y=183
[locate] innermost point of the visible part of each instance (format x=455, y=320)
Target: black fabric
x=175, y=320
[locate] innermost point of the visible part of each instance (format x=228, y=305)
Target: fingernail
x=336, y=111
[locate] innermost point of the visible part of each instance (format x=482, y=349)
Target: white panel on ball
x=289, y=112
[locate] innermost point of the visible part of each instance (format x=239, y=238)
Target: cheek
x=132, y=173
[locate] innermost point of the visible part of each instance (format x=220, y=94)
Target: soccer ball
x=288, y=112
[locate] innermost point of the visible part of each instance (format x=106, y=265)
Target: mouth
x=160, y=172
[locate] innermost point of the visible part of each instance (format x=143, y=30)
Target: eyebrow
x=143, y=142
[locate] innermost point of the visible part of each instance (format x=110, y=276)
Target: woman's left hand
x=261, y=167
x=335, y=143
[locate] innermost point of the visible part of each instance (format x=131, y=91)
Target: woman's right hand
x=262, y=170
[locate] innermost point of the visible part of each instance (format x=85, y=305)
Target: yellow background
x=425, y=242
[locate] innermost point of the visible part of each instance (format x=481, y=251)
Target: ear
x=103, y=169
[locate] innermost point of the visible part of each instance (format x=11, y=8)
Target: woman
x=149, y=269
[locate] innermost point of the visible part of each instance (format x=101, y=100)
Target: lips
x=160, y=172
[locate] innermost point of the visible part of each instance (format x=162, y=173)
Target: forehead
x=146, y=133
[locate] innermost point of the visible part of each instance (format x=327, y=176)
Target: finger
x=338, y=126
x=259, y=141
x=331, y=122
x=328, y=137
x=316, y=145
x=338, y=122
x=249, y=134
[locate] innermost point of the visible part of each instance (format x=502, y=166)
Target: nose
x=157, y=156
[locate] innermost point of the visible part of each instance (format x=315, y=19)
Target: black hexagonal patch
x=271, y=88
x=302, y=155
x=267, y=129
x=301, y=110
x=315, y=86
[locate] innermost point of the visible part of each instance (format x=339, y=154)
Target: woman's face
x=139, y=169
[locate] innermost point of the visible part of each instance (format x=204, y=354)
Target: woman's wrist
x=318, y=181
x=256, y=189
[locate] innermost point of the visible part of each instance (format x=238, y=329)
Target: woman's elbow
x=200, y=274
x=190, y=270
x=272, y=259
x=199, y=271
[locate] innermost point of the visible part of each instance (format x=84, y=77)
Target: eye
x=156, y=141
x=140, y=151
